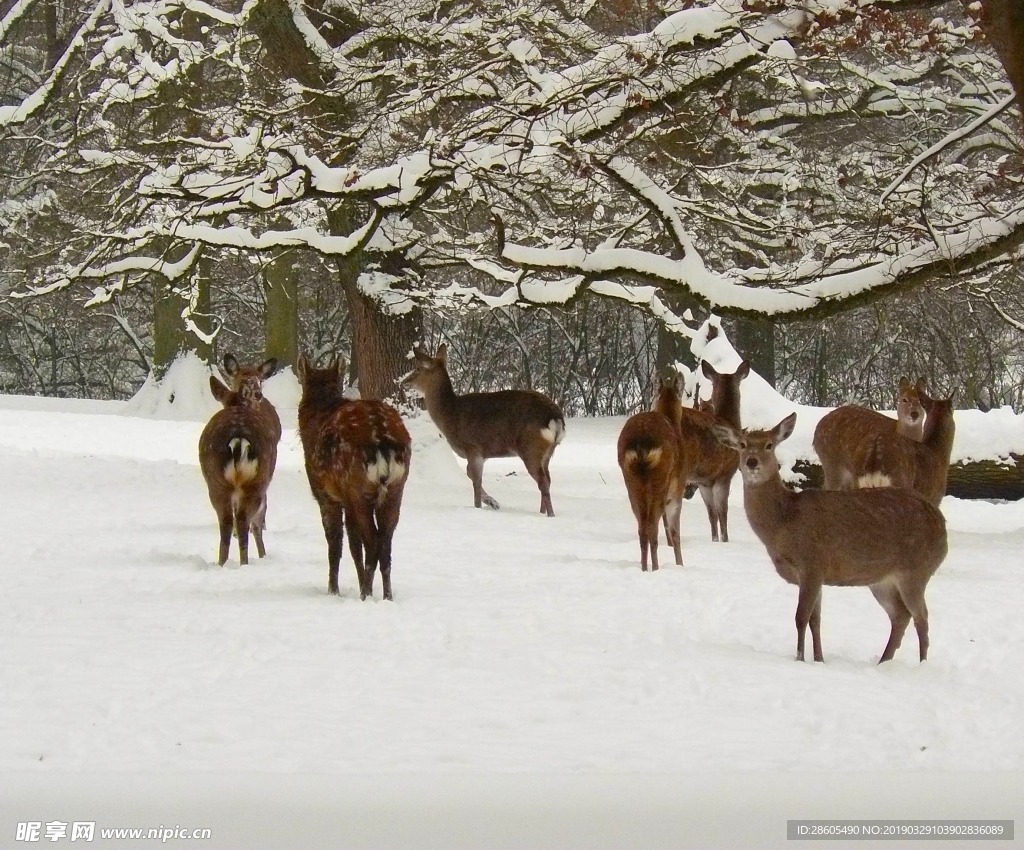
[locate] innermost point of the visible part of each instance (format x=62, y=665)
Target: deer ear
x=442, y=352
x=743, y=370
x=784, y=430
x=921, y=384
x=230, y=364
x=707, y=369
x=301, y=368
x=220, y=392
x=268, y=368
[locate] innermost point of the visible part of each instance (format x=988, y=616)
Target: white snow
x=528, y=687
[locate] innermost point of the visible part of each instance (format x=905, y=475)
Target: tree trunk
x=754, y=340
x=984, y=479
x=281, y=316
x=1004, y=27
x=381, y=341
x=170, y=336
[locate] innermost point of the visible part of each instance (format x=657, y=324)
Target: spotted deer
x=709, y=464
x=478, y=426
x=237, y=456
x=889, y=539
x=650, y=456
x=357, y=455
x=896, y=461
x=845, y=436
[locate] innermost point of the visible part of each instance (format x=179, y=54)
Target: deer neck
x=767, y=504
x=939, y=437
x=726, y=403
x=440, y=399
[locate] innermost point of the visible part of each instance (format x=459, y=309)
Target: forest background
x=561, y=191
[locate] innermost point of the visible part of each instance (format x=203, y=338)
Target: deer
x=889, y=539
x=844, y=436
x=710, y=465
x=478, y=426
x=896, y=461
x=650, y=455
x=357, y=455
x=239, y=375
x=237, y=456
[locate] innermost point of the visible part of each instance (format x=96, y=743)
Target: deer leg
x=708, y=495
x=808, y=599
x=673, y=509
x=649, y=533
x=257, y=524
x=226, y=521
x=721, y=494
x=387, y=522
x=242, y=529
x=538, y=469
x=899, y=616
x=333, y=517
x=475, y=471
x=362, y=539
x=913, y=599
x=815, y=623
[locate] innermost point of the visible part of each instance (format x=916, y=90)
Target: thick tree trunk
x=381, y=344
x=1004, y=27
x=755, y=340
x=281, y=316
x=984, y=479
x=170, y=335
x=381, y=341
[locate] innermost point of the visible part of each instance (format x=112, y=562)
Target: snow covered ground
x=528, y=687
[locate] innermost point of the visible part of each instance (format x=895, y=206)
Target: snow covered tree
x=768, y=158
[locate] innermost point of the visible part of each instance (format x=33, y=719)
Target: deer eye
x=743, y=445
x=768, y=447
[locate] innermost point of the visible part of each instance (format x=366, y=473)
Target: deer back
x=355, y=450
x=850, y=537
x=225, y=461
x=491, y=424
x=896, y=461
x=648, y=453
x=846, y=439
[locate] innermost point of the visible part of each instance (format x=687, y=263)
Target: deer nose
x=751, y=463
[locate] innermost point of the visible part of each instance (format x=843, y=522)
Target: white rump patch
x=874, y=479
x=247, y=467
x=653, y=456
x=385, y=470
x=554, y=433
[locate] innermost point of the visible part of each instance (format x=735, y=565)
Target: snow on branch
x=12, y=16
x=756, y=291
x=942, y=144
x=20, y=113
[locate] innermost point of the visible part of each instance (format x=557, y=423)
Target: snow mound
x=182, y=394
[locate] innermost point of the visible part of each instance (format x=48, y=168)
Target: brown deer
x=357, y=461
x=240, y=375
x=709, y=464
x=650, y=455
x=844, y=436
x=478, y=426
x=896, y=461
x=889, y=539
x=237, y=455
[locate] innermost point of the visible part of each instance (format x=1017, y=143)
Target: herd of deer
x=881, y=474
